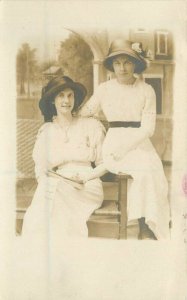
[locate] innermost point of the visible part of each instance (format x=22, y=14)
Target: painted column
x=99, y=73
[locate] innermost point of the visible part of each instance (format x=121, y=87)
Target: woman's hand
x=117, y=154
x=77, y=178
x=74, y=180
x=83, y=178
x=120, y=152
x=97, y=172
x=90, y=175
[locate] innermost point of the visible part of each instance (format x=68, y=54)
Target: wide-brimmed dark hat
x=53, y=88
x=133, y=50
x=58, y=84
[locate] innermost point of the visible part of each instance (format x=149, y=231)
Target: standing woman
x=129, y=105
x=65, y=147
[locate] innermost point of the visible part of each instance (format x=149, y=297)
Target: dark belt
x=124, y=124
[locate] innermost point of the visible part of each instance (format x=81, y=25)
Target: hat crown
x=120, y=45
x=58, y=81
x=126, y=47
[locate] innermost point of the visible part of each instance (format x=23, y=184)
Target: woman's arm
x=96, y=136
x=97, y=172
x=40, y=152
x=93, y=105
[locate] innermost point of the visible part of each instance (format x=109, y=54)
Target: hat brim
x=140, y=62
x=79, y=92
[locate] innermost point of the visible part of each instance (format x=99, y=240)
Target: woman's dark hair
x=52, y=89
x=49, y=110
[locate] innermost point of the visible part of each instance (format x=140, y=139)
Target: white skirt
x=148, y=190
x=59, y=209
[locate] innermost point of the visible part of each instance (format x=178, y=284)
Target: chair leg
x=122, y=198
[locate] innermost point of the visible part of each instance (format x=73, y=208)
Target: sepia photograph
x=94, y=169
x=99, y=105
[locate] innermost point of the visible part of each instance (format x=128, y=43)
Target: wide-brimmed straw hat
x=133, y=50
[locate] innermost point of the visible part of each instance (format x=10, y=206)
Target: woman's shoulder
x=146, y=87
x=142, y=83
x=45, y=127
x=106, y=84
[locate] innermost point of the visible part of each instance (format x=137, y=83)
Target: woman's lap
x=57, y=204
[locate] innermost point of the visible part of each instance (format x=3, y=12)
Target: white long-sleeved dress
x=147, y=193
x=57, y=207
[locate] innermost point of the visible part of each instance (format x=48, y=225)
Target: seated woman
x=69, y=189
x=129, y=105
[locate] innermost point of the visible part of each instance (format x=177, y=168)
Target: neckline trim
x=137, y=80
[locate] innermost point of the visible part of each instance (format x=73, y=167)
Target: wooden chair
x=110, y=220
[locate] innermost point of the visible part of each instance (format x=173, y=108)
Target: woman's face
x=123, y=68
x=64, y=101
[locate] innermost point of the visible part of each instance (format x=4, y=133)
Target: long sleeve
x=149, y=113
x=97, y=136
x=40, y=152
x=99, y=139
x=95, y=132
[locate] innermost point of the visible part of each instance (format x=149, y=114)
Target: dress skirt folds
x=58, y=208
x=61, y=209
x=148, y=190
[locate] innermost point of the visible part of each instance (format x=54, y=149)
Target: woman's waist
x=74, y=165
x=124, y=124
